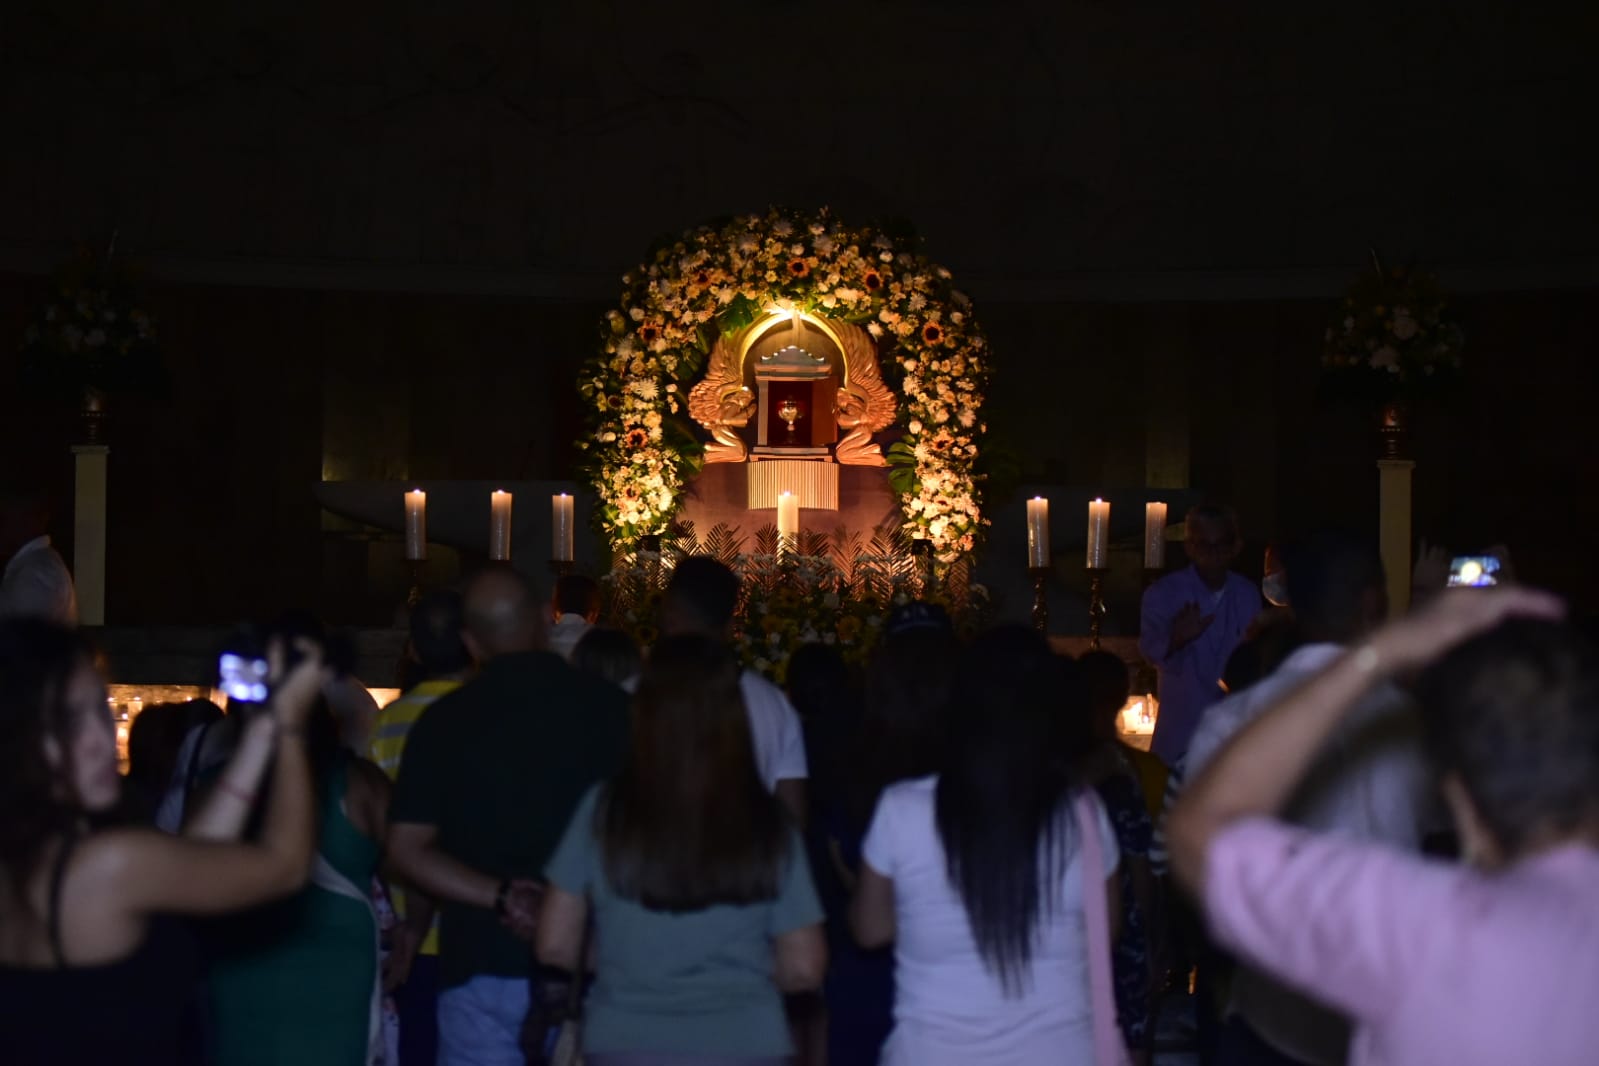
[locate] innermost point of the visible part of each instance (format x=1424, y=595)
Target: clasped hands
x=521, y=913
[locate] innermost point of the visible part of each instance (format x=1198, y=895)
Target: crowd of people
x=1368, y=840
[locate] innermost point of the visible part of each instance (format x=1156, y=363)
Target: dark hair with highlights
x=37, y=662
x=687, y=824
x=1515, y=714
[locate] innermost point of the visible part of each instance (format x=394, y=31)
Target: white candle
x=1038, y=533
x=787, y=521
x=416, y=525
x=561, y=527
x=500, y=525
x=1098, y=534
x=1154, y=536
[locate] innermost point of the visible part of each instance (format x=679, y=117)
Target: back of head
x=910, y=681
x=1514, y=714
x=436, y=624
x=609, y=654
x=503, y=614
x=577, y=594
x=1336, y=586
x=700, y=598
x=819, y=682
x=999, y=798
x=687, y=824
x=38, y=660
x=1105, y=680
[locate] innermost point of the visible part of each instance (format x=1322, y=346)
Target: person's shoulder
x=916, y=792
x=762, y=694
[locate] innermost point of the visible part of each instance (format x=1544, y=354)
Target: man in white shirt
x=37, y=583
x=1371, y=781
x=1191, y=622
x=574, y=609
x=701, y=598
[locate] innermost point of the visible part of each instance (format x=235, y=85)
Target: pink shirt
x=1436, y=963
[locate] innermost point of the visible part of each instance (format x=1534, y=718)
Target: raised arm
x=228, y=802
x=1257, y=772
x=156, y=873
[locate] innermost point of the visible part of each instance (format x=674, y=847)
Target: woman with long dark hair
x=704, y=912
x=977, y=876
x=93, y=967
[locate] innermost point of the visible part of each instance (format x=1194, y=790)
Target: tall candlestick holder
x=1040, y=598
x=1096, y=604
x=649, y=556
x=417, y=568
x=560, y=568
x=922, y=563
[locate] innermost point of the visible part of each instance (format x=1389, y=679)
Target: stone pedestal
x=1393, y=502
x=89, y=531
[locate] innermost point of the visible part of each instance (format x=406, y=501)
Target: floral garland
x=641, y=448
x=1392, y=333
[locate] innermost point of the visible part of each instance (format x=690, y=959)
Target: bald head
x=502, y=614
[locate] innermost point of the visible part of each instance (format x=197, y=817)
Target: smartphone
x=243, y=678
x=1473, y=571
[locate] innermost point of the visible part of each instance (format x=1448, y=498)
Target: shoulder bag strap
x=1109, y=1048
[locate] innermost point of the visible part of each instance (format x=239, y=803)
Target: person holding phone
x=94, y=965
x=1487, y=962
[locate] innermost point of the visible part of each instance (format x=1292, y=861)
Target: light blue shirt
x=1189, y=678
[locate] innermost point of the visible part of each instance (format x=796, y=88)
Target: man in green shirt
x=490, y=776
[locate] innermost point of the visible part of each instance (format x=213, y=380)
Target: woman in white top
x=976, y=876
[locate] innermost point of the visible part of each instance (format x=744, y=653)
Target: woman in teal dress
x=297, y=982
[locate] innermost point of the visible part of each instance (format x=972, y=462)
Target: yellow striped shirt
x=387, y=747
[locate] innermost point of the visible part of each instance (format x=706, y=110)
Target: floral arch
x=641, y=448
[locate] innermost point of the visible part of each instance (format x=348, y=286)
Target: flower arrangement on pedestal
x=94, y=330
x=640, y=449
x=1392, y=336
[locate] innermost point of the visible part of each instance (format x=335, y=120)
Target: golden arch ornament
x=915, y=360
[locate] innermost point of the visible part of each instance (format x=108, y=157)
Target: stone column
x=89, y=531
x=1393, y=502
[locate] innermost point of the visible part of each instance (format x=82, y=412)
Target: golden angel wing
x=722, y=374
x=866, y=404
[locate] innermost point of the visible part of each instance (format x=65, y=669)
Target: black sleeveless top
x=128, y=1011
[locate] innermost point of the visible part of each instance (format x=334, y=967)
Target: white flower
x=1385, y=357
x=1405, y=325
x=636, y=314
x=783, y=227
x=915, y=426
x=874, y=329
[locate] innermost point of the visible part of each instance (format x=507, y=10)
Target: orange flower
x=637, y=437
x=798, y=267
x=933, y=333
x=649, y=332
x=874, y=281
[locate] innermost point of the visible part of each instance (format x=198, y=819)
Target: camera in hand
x=1474, y=571
x=244, y=672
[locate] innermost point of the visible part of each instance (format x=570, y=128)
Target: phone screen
x=1473, y=571
x=242, y=679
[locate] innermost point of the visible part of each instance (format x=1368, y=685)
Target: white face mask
x=1275, y=588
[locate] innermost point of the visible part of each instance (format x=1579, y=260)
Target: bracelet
x=1365, y=659
x=247, y=798
x=501, y=897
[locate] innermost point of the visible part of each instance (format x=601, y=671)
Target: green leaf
x=740, y=313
